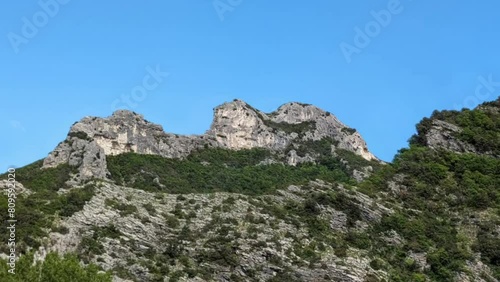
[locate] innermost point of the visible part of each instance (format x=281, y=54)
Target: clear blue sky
x=85, y=54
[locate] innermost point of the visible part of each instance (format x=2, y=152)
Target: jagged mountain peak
x=238, y=109
x=97, y=126
x=222, y=214
x=295, y=112
x=236, y=125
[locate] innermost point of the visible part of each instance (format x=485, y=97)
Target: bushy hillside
x=433, y=214
x=449, y=201
x=251, y=172
x=53, y=268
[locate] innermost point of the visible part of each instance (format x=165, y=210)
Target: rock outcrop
x=443, y=135
x=92, y=139
x=259, y=215
x=236, y=125
x=137, y=240
x=468, y=131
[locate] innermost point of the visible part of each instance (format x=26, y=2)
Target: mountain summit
x=236, y=125
x=293, y=195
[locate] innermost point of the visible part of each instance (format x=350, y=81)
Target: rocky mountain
x=236, y=125
x=292, y=195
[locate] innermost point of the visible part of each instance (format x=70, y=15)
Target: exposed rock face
x=85, y=154
x=5, y=185
x=469, y=131
x=312, y=230
x=420, y=260
x=138, y=237
x=326, y=125
x=294, y=159
x=90, y=140
x=443, y=135
x=236, y=125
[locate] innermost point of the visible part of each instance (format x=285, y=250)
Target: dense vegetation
x=442, y=193
x=481, y=127
x=54, y=269
x=36, y=212
x=436, y=196
x=214, y=170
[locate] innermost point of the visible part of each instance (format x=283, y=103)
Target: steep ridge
x=236, y=125
x=292, y=195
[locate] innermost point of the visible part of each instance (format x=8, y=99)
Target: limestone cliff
x=236, y=125
x=244, y=208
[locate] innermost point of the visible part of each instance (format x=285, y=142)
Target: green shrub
x=150, y=209
x=190, y=176
x=80, y=135
x=36, y=212
x=348, y=130
x=172, y=221
x=75, y=199
x=55, y=269
x=124, y=209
